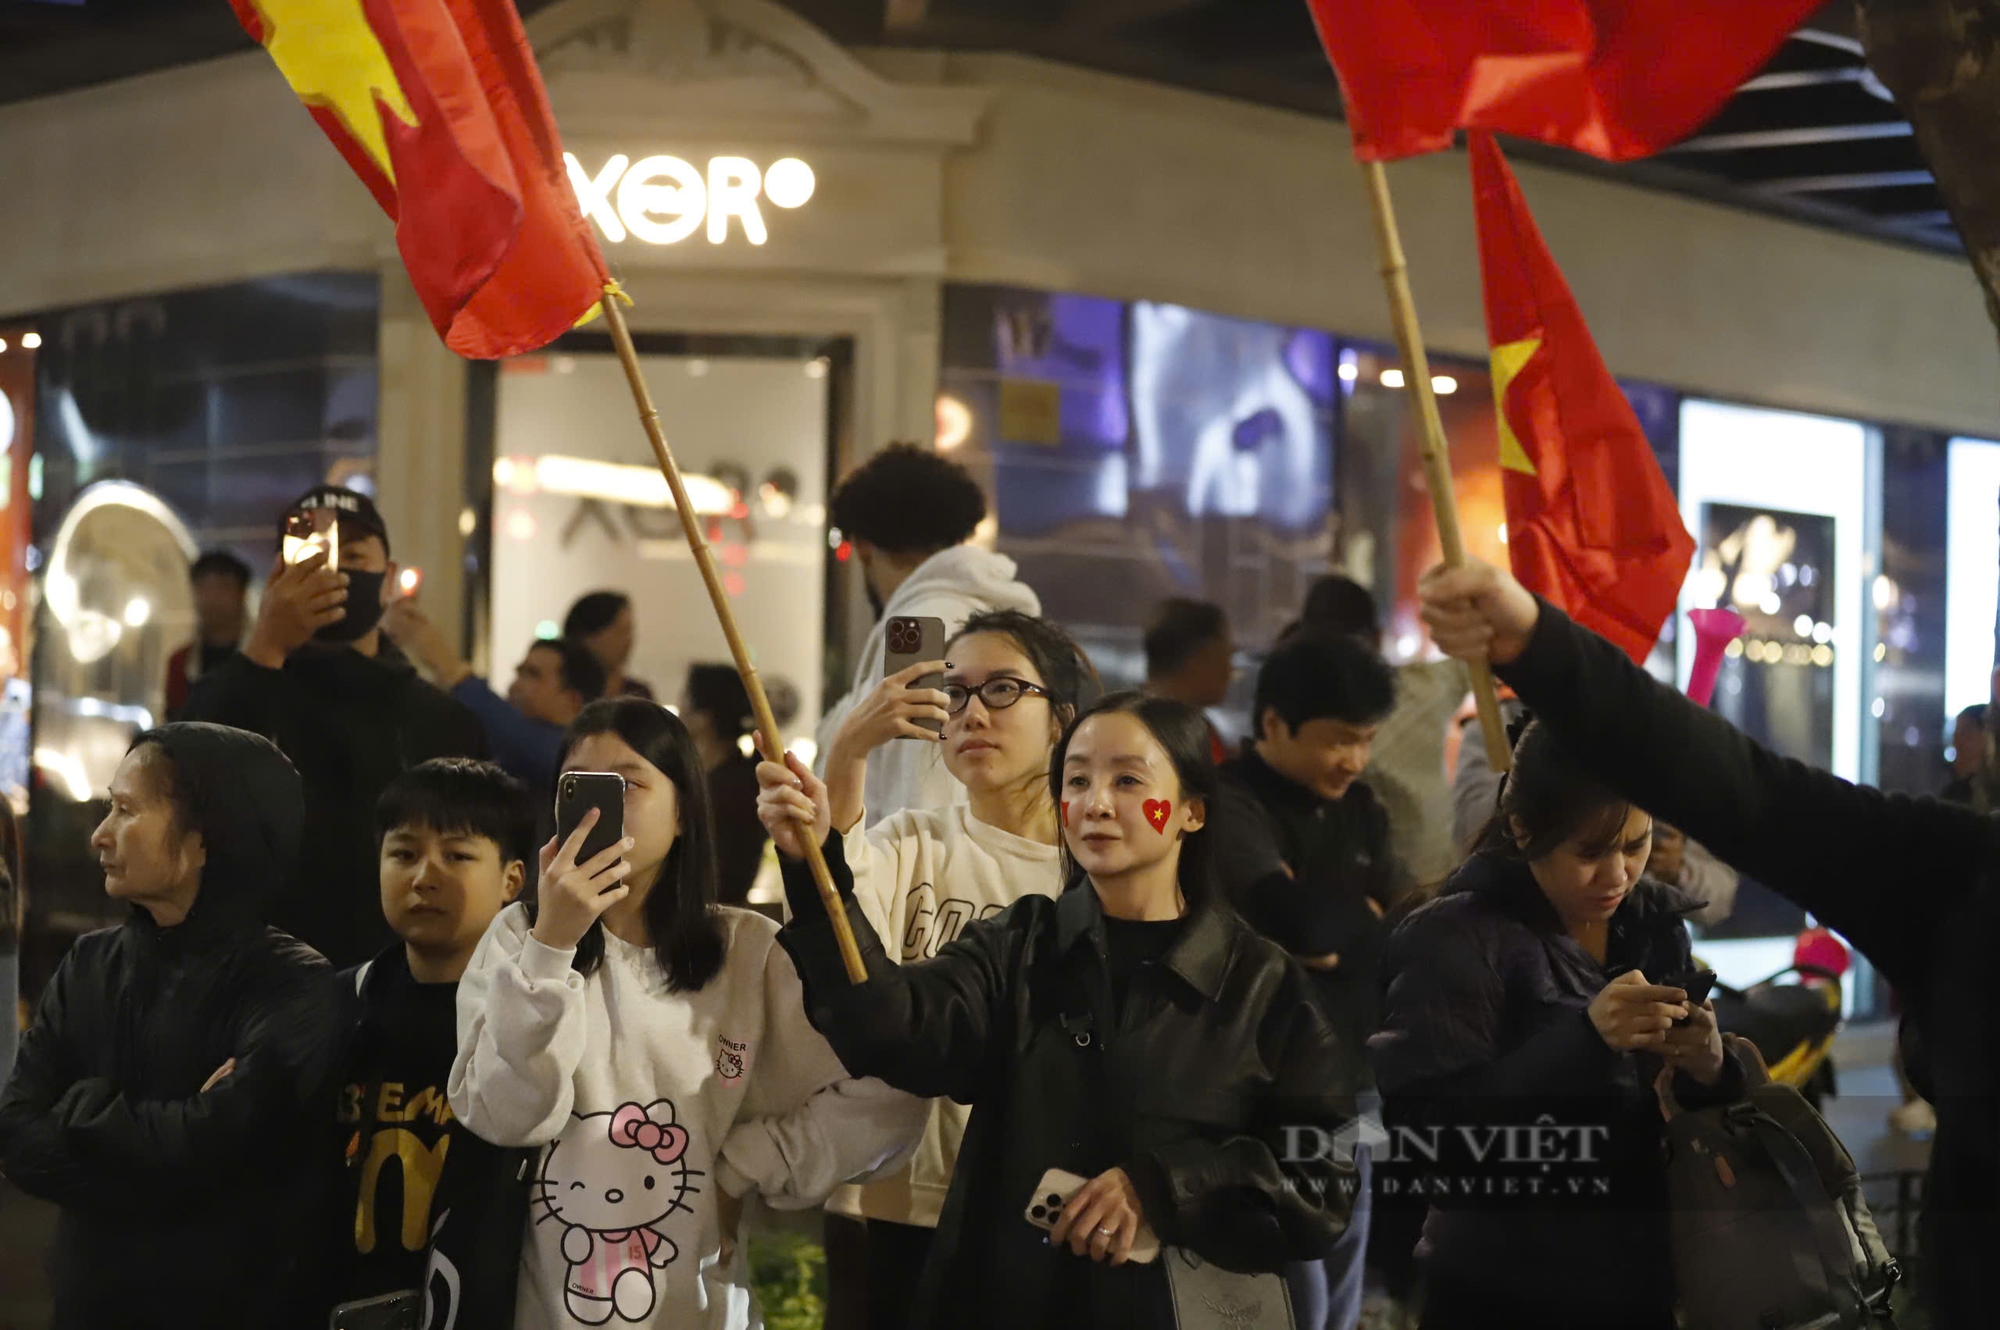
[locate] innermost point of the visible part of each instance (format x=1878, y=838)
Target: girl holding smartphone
x=654, y=1045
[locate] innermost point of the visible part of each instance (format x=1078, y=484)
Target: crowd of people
x=372, y=1047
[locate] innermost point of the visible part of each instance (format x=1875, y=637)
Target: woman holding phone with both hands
x=1543, y=988
x=655, y=1044
x=1913, y=883
x=1132, y=1032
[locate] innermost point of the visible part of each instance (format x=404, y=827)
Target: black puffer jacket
x=1189, y=1088
x=1913, y=883
x=182, y=1207
x=1485, y=1026
x=351, y=724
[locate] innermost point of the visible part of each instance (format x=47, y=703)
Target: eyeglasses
x=995, y=694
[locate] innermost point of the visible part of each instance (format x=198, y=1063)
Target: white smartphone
x=1046, y=1206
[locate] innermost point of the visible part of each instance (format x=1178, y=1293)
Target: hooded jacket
x=952, y=585
x=351, y=724
x=181, y=1205
x=1485, y=1027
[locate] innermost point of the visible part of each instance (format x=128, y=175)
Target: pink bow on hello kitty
x=631, y=1127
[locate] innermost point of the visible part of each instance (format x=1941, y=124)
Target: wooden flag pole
x=1431, y=441
x=767, y=724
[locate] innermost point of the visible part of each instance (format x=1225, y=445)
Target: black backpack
x=1770, y=1230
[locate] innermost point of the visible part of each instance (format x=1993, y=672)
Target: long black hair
x=1183, y=732
x=1546, y=800
x=681, y=915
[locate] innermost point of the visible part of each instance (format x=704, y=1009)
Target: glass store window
x=163, y=425
x=1909, y=601
x=579, y=504
x=1972, y=540
x=1136, y=451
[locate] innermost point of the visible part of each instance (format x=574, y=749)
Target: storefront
x=1148, y=319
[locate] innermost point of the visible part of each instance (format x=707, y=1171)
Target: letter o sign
x=662, y=187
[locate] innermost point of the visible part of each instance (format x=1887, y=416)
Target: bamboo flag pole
x=767, y=724
x=1431, y=441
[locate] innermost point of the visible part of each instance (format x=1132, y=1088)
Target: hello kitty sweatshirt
x=649, y=1104
x=920, y=876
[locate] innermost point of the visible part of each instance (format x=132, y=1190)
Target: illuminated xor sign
x=663, y=200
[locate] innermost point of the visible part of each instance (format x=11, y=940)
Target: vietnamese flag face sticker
x=1065, y=812
x=1157, y=812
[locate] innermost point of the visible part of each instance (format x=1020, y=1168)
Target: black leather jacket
x=1190, y=1088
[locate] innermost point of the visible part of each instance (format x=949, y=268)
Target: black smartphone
x=577, y=792
x=1697, y=984
x=909, y=640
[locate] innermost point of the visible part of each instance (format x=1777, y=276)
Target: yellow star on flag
x=1509, y=358
x=332, y=58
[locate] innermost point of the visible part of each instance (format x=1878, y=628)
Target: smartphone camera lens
x=1055, y=1202
x=1039, y=1213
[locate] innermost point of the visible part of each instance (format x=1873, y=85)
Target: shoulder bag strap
x=1836, y=1253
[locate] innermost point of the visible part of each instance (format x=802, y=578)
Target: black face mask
x=364, y=608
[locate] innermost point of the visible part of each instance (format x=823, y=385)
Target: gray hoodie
x=952, y=585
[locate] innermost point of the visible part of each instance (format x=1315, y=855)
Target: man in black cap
x=319, y=679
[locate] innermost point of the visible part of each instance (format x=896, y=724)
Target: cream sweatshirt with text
x=920, y=876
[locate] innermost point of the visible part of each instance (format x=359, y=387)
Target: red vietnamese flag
x=1614, y=78
x=437, y=105
x=1592, y=524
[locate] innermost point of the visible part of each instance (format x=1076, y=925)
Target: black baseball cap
x=357, y=512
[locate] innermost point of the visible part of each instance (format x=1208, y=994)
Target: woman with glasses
x=1012, y=682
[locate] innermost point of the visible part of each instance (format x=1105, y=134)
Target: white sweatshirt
x=920, y=878
x=649, y=1101
x=952, y=585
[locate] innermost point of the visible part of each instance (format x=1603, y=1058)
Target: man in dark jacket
x=175, y=1074
x=1302, y=802
x=1836, y=849
x=319, y=679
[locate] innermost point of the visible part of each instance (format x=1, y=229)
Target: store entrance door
x=579, y=505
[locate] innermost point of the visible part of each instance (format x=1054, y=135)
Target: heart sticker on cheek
x=1157, y=811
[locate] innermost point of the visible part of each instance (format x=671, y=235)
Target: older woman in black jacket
x=169, y=1092
x=1530, y=1012
x=1133, y=1032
